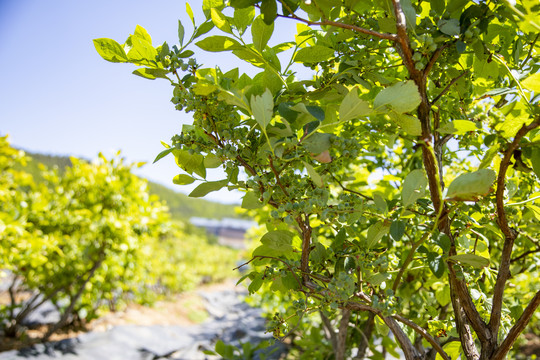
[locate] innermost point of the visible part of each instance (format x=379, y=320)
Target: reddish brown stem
x=305, y=229
x=517, y=329
x=509, y=234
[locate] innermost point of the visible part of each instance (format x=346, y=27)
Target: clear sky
x=57, y=96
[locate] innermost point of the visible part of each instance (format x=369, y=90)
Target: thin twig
x=350, y=190
x=434, y=58
x=293, y=16
x=424, y=334
x=530, y=52
x=408, y=260
x=452, y=82
x=509, y=234
x=525, y=254
x=273, y=258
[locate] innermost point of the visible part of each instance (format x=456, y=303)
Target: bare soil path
x=179, y=328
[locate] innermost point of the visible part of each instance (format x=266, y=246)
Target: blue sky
x=57, y=96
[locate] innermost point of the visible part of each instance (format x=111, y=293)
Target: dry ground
x=183, y=309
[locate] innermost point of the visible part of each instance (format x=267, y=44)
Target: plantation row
x=91, y=240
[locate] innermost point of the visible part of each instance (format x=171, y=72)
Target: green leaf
x=185, y=54
x=397, y=229
x=442, y=295
x=318, y=254
x=401, y=97
x=443, y=241
x=452, y=349
x=488, y=157
x=513, y=123
x=438, y=6
x=377, y=279
x=376, y=232
x=110, y=50
x=283, y=47
x=449, y=27
x=263, y=108
x=410, y=124
x=189, y=11
x=535, y=160
x=470, y=259
x=458, y=127
x=436, y=264
x=535, y=210
x=414, y=187
x=279, y=241
x=227, y=351
x=204, y=89
x=261, y=33
x=220, y=21
x=212, y=161
x=183, y=179
x=380, y=203
x=290, y=282
x=208, y=5
x=203, y=29
x=218, y=43
x=314, y=54
x=250, y=56
x=191, y=163
x=208, y=187
x=352, y=107
x=163, y=154
x=142, y=52
x=532, y=83
x=315, y=177
x=254, y=286
x=471, y=186
x=317, y=143
x=151, y=74
x=350, y=264
x=243, y=18
x=251, y=201
x=269, y=11
x=311, y=110
x=143, y=34
x=485, y=69
x=380, y=326
x=164, y=49
x=180, y=33
x=410, y=13
x=241, y=4
x=220, y=347
x=387, y=25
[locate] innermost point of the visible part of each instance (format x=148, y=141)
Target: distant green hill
x=180, y=205
x=183, y=206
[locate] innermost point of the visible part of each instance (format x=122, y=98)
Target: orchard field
x=91, y=239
